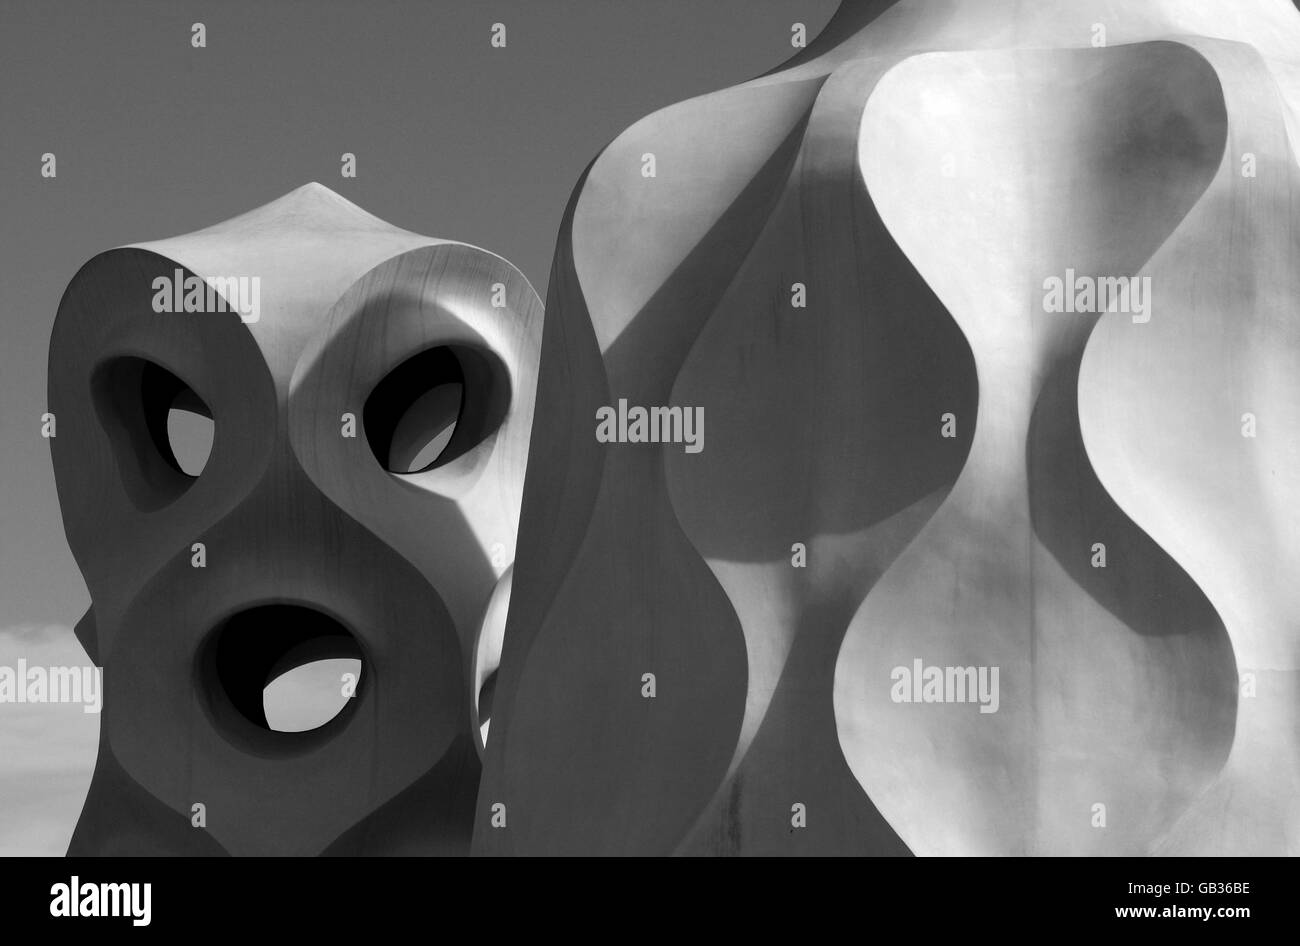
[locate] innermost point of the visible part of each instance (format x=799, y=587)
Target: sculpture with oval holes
x=292, y=528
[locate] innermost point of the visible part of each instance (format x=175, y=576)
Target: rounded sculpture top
x=369, y=397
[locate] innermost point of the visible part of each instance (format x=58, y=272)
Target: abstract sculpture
x=371, y=397
x=990, y=308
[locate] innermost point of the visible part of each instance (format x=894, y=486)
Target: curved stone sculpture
x=317, y=527
x=924, y=460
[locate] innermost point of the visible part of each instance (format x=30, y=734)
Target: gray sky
x=453, y=138
x=154, y=138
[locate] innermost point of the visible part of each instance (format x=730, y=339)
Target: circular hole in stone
x=283, y=668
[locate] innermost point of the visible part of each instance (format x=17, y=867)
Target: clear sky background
x=155, y=138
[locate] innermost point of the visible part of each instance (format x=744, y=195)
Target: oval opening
x=412, y=414
x=161, y=431
x=283, y=668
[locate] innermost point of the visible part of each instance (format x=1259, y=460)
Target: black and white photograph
x=608, y=429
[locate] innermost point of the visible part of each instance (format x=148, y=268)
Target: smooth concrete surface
x=922, y=169
x=292, y=513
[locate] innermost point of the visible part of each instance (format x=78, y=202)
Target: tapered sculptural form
x=990, y=312
x=370, y=414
